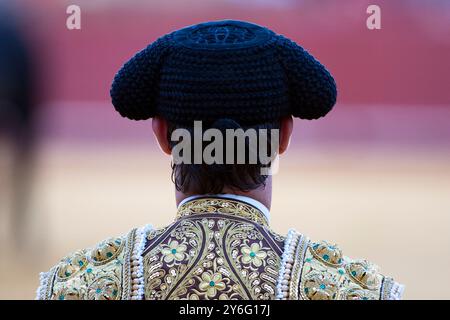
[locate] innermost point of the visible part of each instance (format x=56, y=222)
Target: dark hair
x=214, y=178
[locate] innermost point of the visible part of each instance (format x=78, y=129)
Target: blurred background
x=374, y=176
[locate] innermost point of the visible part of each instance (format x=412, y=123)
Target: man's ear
x=159, y=126
x=286, y=126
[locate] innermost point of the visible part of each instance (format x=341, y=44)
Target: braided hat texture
x=223, y=69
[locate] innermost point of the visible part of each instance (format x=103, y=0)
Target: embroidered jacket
x=217, y=248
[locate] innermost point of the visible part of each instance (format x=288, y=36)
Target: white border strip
x=43, y=282
x=396, y=291
x=137, y=263
x=285, y=258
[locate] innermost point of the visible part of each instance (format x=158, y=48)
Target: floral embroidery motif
x=212, y=283
x=174, y=251
x=217, y=249
x=253, y=255
x=221, y=256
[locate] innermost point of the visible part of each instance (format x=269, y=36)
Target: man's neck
x=263, y=195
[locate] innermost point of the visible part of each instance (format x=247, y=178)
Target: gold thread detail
x=221, y=206
x=297, y=268
x=126, y=292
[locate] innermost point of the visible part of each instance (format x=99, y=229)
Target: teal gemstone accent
x=326, y=257
x=114, y=292
x=109, y=254
x=341, y=271
x=322, y=286
x=308, y=260
x=61, y=297
x=252, y=254
x=88, y=270
x=354, y=273
x=67, y=273
x=98, y=290
x=315, y=246
x=340, y=260
x=80, y=263
x=365, y=298
x=212, y=283
x=306, y=290
x=174, y=251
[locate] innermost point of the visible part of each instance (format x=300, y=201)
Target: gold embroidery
x=106, y=251
x=66, y=293
x=226, y=206
x=364, y=273
x=329, y=254
x=211, y=258
x=216, y=249
x=104, y=288
x=356, y=293
x=156, y=232
x=327, y=274
x=126, y=279
x=320, y=286
x=71, y=265
x=101, y=273
x=297, y=267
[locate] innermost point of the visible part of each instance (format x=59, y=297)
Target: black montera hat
x=223, y=69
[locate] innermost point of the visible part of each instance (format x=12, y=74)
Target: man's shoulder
x=104, y=271
x=113, y=269
x=319, y=270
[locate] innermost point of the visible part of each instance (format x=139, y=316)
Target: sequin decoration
x=215, y=250
x=357, y=293
x=71, y=265
x=328, y=253
x=364, y=273
x=104, y=288
x=66, y=293
x=320, y=286
x=106, y=251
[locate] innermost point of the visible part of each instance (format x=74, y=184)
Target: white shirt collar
x=255, y=203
